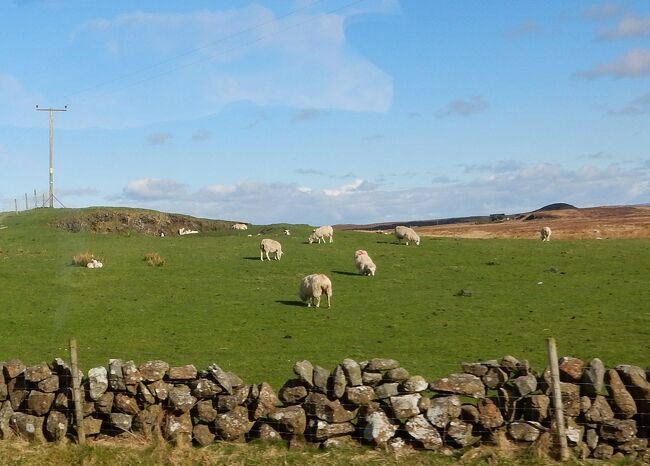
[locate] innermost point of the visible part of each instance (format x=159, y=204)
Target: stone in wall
x=291, y=420
x=39, y=403
x=405, y=406
x=624, y=404
x=414, y=384
x=570, y=369
x=321, y=407
x=266, y=401
x=421, y=430
x=305, y=372
x=37, y=373
x=202, y=435
x=593, y=378
x=56, y=426
x=152, y=371
x=459, y=384
x=293, y=392
x=378, y=428
x=443, y=409
x=461, y=433
x=97, y=382
x=234, y=424
x=320, y=430
x=180, y=399
x=352, y=372
x=337, y=382
x=381, y=364
x=321, y=378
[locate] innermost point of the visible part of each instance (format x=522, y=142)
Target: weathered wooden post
x=76, y=393
x=557, y=398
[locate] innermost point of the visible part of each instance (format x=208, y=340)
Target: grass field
x=214, y=301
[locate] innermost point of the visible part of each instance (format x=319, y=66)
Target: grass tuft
x=83, y=258
x=154, y=259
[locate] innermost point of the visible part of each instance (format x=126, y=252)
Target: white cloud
x=522, y=190
x=633, y=64
x=628, y=26
x=153, y=189
x=460, y=107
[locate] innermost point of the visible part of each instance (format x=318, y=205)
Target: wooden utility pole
x=52, y=110
x=76, y=393
x=557, y=398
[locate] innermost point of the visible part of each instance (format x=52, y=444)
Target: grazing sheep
x=313, y=286
x=287, y=232
x=239, y=226
x=323, y=233
x=545, y=234
x=364, y=263
x=270, y=246
x=402, y=232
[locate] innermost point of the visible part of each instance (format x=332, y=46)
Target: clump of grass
x=83, y=258
x=154, y=259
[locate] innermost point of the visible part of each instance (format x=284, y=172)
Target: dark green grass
x=214, y=301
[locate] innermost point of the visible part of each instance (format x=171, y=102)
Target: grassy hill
x=214, y=301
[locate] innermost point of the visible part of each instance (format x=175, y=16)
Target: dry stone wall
x=376, y=402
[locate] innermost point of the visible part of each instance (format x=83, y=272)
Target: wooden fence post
x=557, y=398
x=76, y=394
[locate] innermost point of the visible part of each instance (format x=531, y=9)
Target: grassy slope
x=214, y=301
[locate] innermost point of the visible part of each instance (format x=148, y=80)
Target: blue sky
x=330, y=111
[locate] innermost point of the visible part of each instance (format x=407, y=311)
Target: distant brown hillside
x=566, y=223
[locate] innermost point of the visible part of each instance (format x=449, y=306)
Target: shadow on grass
x=251, y=258
x=339, y=272
x=291, y=303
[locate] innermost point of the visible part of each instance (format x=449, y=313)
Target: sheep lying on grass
x=545, y=234
x=364, y=263
x=270, y=246
x=94, y=264
x=322, y=233
x=312, y=287
x=239, y=226
x=185, y=231
x=402, y=232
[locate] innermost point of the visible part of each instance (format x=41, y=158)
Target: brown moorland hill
x=588, y=223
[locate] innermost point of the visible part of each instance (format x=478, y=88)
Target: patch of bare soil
x=145, y=222
x=589, y=223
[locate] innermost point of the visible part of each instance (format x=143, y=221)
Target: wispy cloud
x=599, y=156
x=306, y=114
x=294, y=56
x=603, y=11
x=501, y=166
x=633, y=64
x=463, y=108
x=202, y=135
x=638, y=106
x=628, y=26
x=523, y=29
x=310, y=171
x=157, y=139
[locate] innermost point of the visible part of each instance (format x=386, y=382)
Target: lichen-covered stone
x=28, y=427
x=13, y=368
x=321, y=407
x=381, y=364
x=202, y=435
x=399, y=374
x=524, y=431
x=405, y=406
x=386, y=390
x=205, y=388
x=599, y=411
x=461, y=433
x=132, y=375
x=361, y=395
x=126, y=404
x=525, y=384
x=233, y=424
x=460, y=384
x=352, y=372
x=378, y=428
x=115, y=375
x=266, y=402
x=305, y=372
x=443, y=409
x=321, y=430
x=495, y=377
x=293, y=392
x=536, y=407
x=152, y=371
x=338, y=382
x=121, y=422
x=49, y=384
x=624, y=404
x=489, y=415
x=321, y=378
x=180, y=399
x=618, y=430
x=593, y=378
x=39, y=403
x=414, y=384
x=570, y=369
x=290, y=420
x=421, y=430
x=92, y=426
x=37, y=373
x=56, y=426
x=371, y=378
x=178, y=427
x=97, y=382
x=187, y=372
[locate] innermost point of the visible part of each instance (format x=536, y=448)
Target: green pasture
x=214, y=301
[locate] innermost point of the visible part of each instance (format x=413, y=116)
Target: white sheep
x=94, y=264
x=402, y=232
x=287, y=232
x=364, y=263
x=313, y=286
x=239, y=226
x=270, y=246
x=185, y=231
x=545, y=234
x=322, y=233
